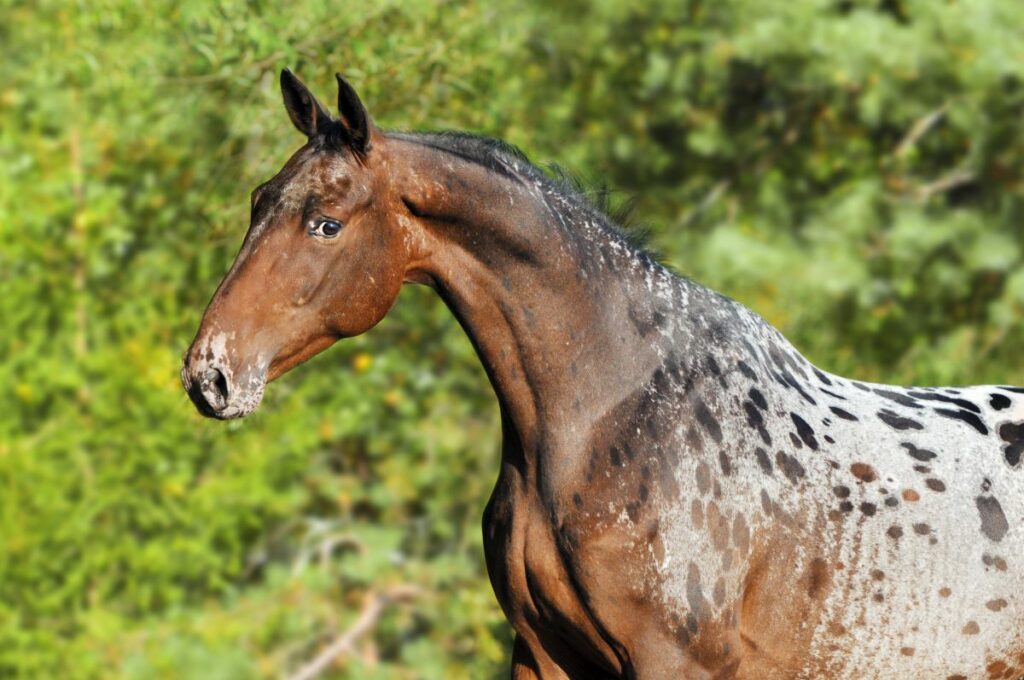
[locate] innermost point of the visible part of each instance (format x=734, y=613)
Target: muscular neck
x=552, y=312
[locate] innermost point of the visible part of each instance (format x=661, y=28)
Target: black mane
x=510, y=161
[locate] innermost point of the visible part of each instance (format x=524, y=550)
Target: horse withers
x=681, y=494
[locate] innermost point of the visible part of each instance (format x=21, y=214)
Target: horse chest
x=534, y=580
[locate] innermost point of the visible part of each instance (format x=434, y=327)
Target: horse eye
x=326, y=228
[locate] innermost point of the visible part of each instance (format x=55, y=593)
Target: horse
x=682, y=494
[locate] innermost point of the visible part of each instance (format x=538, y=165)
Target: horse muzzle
x=217, y=391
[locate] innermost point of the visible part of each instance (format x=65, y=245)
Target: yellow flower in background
x=361, y=362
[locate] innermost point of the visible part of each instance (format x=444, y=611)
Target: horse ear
x=353, y=117
x=307, y=114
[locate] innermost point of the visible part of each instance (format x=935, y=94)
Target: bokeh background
x=851, y=169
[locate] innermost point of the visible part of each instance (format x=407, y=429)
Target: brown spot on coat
x=996, y=605
x=817, y=577
x=910, y=496
x=697, y=514
x=864, y=472
x=703, y=478
x=971, y=628
x=996, y=669
x=741, y=535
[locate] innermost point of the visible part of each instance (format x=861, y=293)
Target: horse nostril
x=214, y=386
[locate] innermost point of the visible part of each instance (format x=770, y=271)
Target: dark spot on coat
x=993, y=521
x=895, y=532
x=577, y=500
x=864, y=472
x=613, y=454
x=935, y=485
x=792, y=382
x=756, y=420
x=1013, y=435
x=901, y=399
x=643, y=493
x=841, y=491
x=805, y=431
x=970, y=418
x=758, y=398
x=846, y=506
x=898, y=422
x=822, y=377
x=746, y=370
x=868, y=509
x=724, y=462
x=833, y=394
x=845, y=415
x=931, y=396
x=994, y=561
x=891, y=502
x=922, y=529
x=790, y=467
x=923, y=455
x=763, y=461
x=754, y=417
x=797, y=444
x=999, y=401
x=694, y=592
x=707, y=419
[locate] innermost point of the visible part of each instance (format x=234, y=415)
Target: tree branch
x=373, y=606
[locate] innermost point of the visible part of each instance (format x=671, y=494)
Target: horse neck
x=552, y=302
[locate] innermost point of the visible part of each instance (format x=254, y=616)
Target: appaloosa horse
x=682, y=494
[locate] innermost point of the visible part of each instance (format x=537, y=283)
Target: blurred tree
x=850, y=169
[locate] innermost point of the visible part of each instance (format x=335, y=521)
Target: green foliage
x=852, y=169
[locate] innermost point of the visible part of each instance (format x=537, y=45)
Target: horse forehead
x=308, y=173
x=311, y=171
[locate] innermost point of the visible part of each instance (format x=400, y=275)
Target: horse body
x=681, y=493
x=741, y=513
